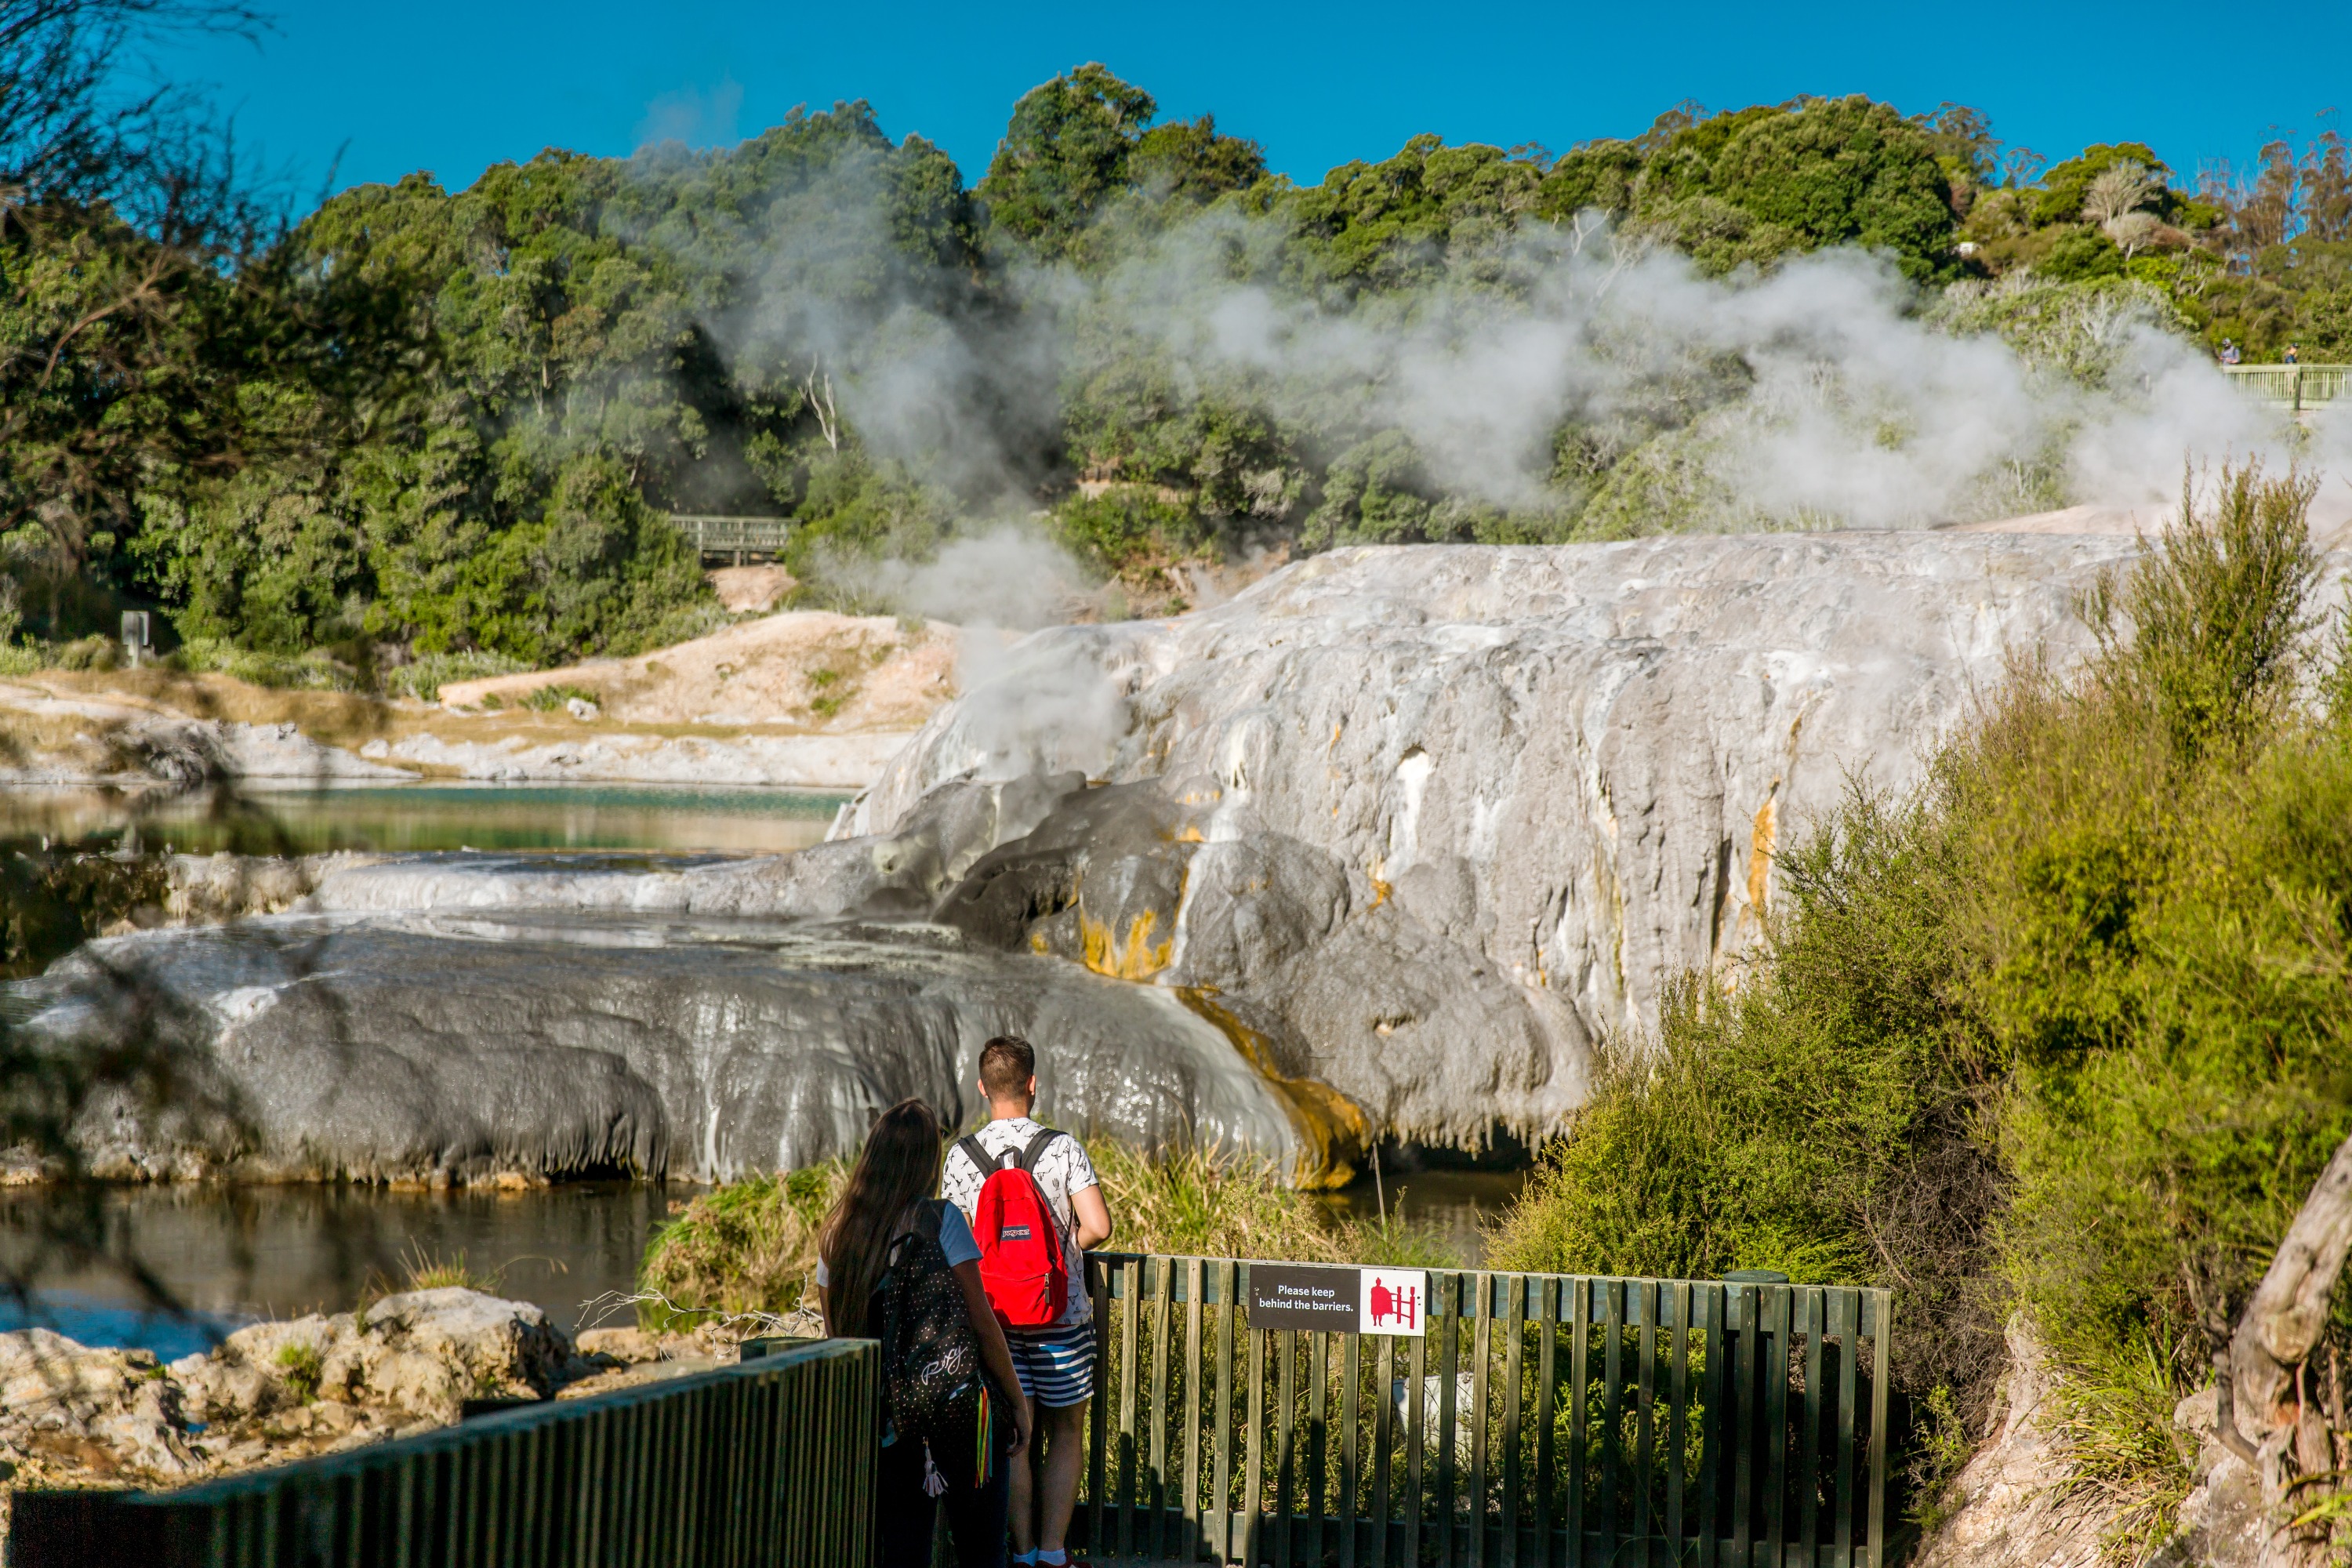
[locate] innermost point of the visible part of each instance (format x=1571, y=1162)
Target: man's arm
x=1093, y=1217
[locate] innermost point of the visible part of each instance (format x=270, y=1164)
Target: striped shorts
x=1055, y=1366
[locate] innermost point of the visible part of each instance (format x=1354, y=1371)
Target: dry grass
x=751, y=1246
x=748, y=1246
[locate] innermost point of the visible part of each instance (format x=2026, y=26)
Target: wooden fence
x=765, y=1463
x=1544, y=1421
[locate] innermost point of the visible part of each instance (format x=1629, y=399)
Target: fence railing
x=2296, y=386
x=1542, y=1420
x=734, y=535
x=765, y=1463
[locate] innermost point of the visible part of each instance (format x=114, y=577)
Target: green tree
x=1064, y=157
x=1749, y=186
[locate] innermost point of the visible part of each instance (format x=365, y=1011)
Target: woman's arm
x=995, y=1353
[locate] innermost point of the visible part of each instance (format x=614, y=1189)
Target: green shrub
x=424, y=677
x=749, y=1246
x=2080, y=255
x=316, y=670
x=552, y=697
x=2064, y=1031
x=84, y=653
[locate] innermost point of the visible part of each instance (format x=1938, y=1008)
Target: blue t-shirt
x=955, y=1240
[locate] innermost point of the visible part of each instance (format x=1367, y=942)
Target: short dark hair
x=1007, y=1063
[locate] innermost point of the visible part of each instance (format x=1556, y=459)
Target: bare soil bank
x=805, y=699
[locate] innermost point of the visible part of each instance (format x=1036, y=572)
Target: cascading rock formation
x=1377, y=850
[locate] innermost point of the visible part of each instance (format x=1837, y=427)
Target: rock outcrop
x=2018, y=1503
x=1376, y=850
x=1559, y=772
x=72, y=1415
x=47, y=738
x=443, y=1049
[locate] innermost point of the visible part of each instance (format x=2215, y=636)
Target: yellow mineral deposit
x=1333, y=1135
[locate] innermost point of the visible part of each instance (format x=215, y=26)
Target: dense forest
x=416, y=424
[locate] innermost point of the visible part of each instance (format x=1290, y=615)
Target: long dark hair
x=899, y=1165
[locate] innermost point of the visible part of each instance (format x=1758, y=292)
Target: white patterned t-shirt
x=1062, y=1170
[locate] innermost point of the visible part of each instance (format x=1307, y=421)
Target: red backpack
x=1020, y=1261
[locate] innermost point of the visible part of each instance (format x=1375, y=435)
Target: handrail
x=767, y=1461
x=2294, y=387
x=1562, y=1421
x=720, y=534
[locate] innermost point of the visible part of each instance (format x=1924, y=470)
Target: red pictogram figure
x=1383, y=1304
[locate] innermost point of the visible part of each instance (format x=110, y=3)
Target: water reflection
x=1456, y=1204
x=234, y=1254
x=433, y=817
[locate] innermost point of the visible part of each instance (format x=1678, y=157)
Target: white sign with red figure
x=1395, y=1301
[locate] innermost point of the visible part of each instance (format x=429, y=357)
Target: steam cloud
x=1822, y=395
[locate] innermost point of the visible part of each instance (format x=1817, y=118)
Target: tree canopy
x=419, y=421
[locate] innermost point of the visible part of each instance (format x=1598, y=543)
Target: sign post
x=1339, y=1300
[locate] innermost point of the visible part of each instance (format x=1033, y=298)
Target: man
x=1056, y=1364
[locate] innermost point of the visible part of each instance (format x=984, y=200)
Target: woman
x=893, y=1263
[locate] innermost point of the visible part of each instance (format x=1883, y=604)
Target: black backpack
x=933, y=1389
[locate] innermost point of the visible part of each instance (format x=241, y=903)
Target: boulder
x=111, y=1414
x=420, y=1354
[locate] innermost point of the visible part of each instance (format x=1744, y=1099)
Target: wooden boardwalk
x=2299, y=387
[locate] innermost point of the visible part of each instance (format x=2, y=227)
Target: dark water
x=230, y=1255
x=436, y=816
x=1456, y=1204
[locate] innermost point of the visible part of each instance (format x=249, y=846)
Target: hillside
x=806, y=699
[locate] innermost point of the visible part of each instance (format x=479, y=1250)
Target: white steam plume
x=1826, y=393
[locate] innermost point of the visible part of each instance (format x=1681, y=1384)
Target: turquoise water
x=438, y=816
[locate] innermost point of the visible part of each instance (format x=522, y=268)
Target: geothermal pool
x=233, y=1254
x=437, y=816
x=230, y=1254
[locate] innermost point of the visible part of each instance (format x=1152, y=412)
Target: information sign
x=1339, y=1300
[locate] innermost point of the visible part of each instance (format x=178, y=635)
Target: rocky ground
x=807, y=699
x=74, y=1415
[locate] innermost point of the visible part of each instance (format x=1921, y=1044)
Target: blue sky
x=452, y=86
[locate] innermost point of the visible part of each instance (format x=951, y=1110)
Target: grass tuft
x=752, y=1245
x=303, y=1366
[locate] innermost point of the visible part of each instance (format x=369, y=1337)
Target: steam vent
x=1377, y=850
